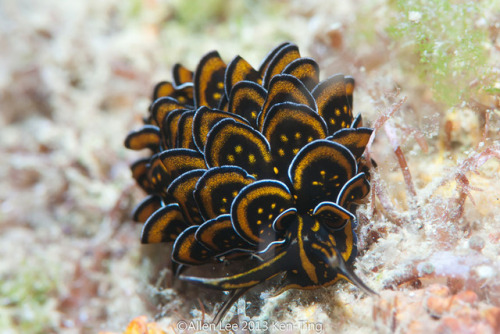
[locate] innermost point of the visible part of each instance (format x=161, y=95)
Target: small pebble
x=427, y=268
x=492, y=316
x=438, y=290
x=469, y=297
x=476, y=243
x=437, y=306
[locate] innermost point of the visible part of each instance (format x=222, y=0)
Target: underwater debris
x=435, y=309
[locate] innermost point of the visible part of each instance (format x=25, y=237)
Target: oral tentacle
x=247, y=279
x=351, y=276
x=233, y=298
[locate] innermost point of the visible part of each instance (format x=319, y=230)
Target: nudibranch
x=264, y=164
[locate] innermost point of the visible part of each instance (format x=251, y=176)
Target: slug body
x=264, y=164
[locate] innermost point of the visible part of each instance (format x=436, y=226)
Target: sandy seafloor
x=76, y=76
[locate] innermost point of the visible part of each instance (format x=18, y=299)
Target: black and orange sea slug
x=262, y=166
